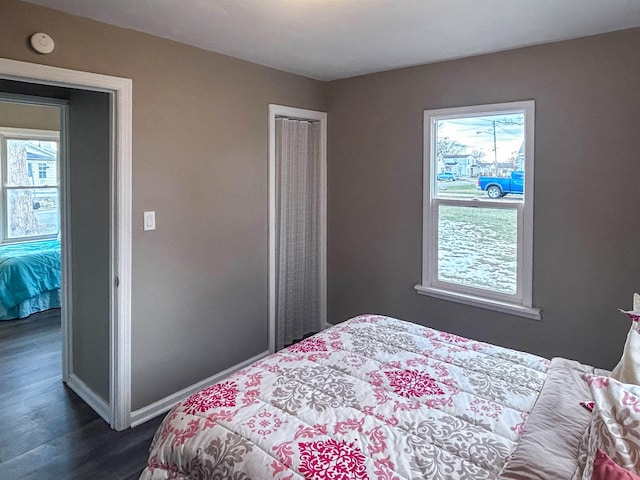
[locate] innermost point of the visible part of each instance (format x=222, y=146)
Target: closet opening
x=297, y=224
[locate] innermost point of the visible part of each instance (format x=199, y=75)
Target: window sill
x=38, y=238
x=496, y=305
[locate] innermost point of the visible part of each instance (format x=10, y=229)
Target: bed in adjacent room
x=30, y=278
x=379, y=398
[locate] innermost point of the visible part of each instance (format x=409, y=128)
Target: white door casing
x=120, y=93
x=300, y=114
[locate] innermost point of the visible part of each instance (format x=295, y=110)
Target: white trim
x=486, y=303
x=66, y=311
x=61, y=77
x=299, y=113
x=95, y=401
x=144, y=414
x=519, y=303
x=121, y=231
x=527, y=221
x=31, y=134
x=120, y=90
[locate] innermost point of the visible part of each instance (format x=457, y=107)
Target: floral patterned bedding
x=371, y=398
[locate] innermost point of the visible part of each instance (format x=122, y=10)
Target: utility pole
x=495, y=145
x=495, y=149
x=494, y=125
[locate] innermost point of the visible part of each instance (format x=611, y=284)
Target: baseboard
x=326, y=325
x=91, y=398
x=144, y=414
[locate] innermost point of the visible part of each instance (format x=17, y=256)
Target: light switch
x=149, y=220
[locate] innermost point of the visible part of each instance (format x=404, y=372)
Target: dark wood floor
x=46, y=430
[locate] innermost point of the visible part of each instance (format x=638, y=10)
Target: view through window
x=30, y=188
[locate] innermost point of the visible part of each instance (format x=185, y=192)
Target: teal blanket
x=28, y=269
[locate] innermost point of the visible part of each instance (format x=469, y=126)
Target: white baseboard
x=91, y=398
x=144, y=414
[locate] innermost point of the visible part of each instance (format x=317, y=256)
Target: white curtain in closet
x=297, y=235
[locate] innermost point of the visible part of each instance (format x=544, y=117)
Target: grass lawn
x=478, y=247
x=466, y=188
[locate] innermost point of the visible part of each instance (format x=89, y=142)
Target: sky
x=476, y=133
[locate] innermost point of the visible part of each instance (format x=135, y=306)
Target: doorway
x=112, y=402
x=30, y=276
x=297, y=224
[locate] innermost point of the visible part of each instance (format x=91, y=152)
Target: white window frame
x=7, y=133
x=521, y=302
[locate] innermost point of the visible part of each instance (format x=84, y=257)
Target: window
x=478, y=206
x=30, y=185
x=42, y=171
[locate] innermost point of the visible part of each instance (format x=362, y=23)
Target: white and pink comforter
x=372, y=398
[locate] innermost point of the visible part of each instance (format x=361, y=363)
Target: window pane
x=31, y=163
x=478, y=152
x=477, y=247
x=32, y=212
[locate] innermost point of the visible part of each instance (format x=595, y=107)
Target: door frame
x=120, y=94
x=281, y=111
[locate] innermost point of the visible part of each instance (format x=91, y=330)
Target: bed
x=30, y=278
x=379, y=398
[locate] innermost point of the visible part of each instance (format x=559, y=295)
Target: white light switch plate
x=149, y=220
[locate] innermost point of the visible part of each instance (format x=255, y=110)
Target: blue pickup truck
x=497, y=187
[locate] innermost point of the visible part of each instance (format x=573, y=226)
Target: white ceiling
x=331, y=39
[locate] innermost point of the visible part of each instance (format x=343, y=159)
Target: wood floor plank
x=46, y=430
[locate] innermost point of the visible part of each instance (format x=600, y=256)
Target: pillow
x=615, y=424
x=628, y=369
x=606, y=469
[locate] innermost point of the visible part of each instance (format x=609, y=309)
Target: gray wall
x=89, y=139
x=200, y=161
x=19, y=115
x=587, y=169
x=200, y=145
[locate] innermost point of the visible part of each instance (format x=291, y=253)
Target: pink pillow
x=606, y=469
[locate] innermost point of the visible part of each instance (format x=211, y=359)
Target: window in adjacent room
x=30, y=184
x=478, y=206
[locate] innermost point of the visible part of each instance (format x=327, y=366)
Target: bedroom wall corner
x=586, y=249
x=200, y=161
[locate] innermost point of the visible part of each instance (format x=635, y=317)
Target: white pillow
x=628, y=369
x=614, y=423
